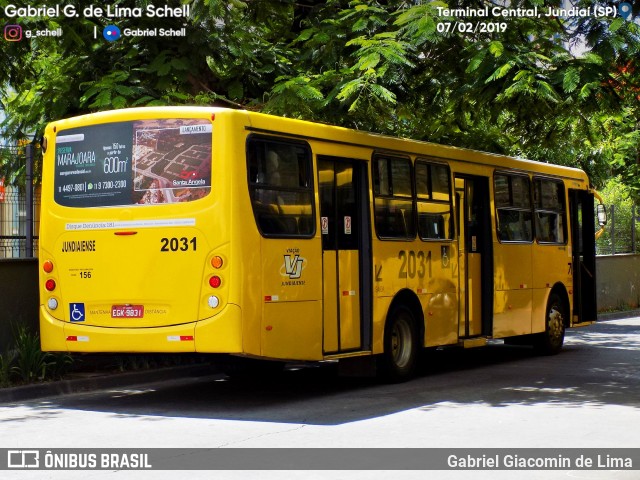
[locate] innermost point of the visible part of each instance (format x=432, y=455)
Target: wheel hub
x=401, y=343
x=556, y=323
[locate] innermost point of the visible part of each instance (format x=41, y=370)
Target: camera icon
x=12, y=33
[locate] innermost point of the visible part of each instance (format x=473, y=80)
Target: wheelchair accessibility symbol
x=76, y=312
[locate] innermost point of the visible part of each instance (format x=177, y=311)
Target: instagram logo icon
x=13, y=33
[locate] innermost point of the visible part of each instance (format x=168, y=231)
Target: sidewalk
x=91, y=381
x=603, y=317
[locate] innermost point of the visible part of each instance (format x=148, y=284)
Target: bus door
x=475, y=274
x=345, y=227
x=583, y=240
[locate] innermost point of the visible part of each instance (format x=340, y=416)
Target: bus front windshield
x=133, y=163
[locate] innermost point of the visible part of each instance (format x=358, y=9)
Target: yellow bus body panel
x=278, y=297
x=221, y=333
x=349, y=292
x=513, y=285
x=64, y=336
x=330, y=303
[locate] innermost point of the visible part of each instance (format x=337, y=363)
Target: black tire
x=401, y=347
x=550, y=342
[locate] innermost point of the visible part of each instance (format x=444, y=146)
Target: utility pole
x=613, y=229
x=633, y=228
x=29, y=199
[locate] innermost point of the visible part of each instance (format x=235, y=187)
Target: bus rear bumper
x=219, y=334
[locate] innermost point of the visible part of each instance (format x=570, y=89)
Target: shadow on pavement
x=599, y=366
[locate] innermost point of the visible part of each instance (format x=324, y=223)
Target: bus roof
x=312, y=131
x=323, y=132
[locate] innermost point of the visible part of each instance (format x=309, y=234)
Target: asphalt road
x=588, y=396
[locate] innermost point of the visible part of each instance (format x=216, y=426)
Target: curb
x=100, y=382
x=603, y=317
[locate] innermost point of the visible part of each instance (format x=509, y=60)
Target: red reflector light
x=48, y=266
x=215, y=281
x=186, y=338
x=124, y=234
x=72, y=339
x=50, y=285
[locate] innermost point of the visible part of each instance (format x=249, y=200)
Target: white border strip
x=78, y=137
x=108, y=225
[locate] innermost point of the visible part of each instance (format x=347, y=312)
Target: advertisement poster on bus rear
x=133, y=163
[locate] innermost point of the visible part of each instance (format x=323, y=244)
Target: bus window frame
x=531, y=211
x=412, y=198
x=251, y=185
x=452, y=227
x=564, y=212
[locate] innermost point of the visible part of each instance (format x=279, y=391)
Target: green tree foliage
x=618, y=197
x=562, y=90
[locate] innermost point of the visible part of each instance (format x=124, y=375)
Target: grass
x=26, y=363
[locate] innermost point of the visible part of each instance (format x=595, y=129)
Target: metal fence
x=622, y=232
x=13, y=224
x=19, y=207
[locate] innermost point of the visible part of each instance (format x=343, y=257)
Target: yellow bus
x=211, y=230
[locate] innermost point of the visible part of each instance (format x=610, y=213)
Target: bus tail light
x=215, y=281
x=50, y=285
x=52, y=303
x=217, y=262
x=47, y=266
x=213, y=301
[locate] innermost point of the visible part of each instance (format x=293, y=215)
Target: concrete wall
x=618, y=288
x=18, y=297
x=618, y=282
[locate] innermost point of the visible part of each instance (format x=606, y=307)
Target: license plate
x=127, y=311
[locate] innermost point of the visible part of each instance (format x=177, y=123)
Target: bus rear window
x=133, y=163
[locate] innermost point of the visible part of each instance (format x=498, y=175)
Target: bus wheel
x=398, y=361
x=550, y=342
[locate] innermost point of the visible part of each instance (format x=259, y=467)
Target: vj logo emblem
x=293, y=266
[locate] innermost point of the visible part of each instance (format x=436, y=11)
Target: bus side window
x=512, y=196
x=550, y=209
x=272, y=167
x=393, y=197
x=272, y=176
x=433, y=195
x=281, y=192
